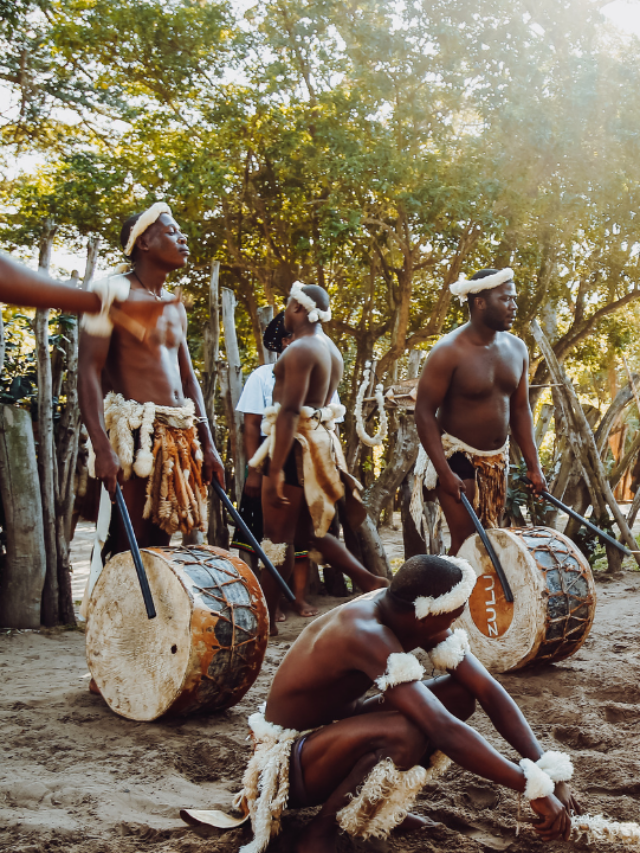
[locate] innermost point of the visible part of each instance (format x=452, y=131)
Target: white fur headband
x=426, y=605
x=464, y=286
x=143, y=222
x=309, y=305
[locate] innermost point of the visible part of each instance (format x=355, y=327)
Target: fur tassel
x=557, y=765
x=401, y=668
x=539, y=784
x=599, y=828
x=450, y=652
x=386, y=797
x=275, y=551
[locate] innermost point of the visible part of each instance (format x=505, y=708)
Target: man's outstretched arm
x=21, y=286
x=432, y=389
x=521, y=423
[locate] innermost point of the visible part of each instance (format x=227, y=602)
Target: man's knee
x=405, y=744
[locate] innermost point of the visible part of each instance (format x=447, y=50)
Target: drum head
x=504, y=636
x=139, y=664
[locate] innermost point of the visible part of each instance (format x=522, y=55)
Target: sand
x=76, y=778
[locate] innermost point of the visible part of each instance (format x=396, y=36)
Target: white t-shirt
x=257, y=393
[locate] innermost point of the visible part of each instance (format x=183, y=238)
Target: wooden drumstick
x=235, y=515
x=482, y=533
x=556, y=502
x=135, y=553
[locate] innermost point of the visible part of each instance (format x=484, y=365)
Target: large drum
x=554, y=598
x=205, y=647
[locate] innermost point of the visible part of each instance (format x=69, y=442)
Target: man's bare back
x=325, y=368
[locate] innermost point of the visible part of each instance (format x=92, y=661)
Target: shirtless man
x=21, y=286
x=152, y=425
x=474, y=388
x=302, y=459
x=366, y=759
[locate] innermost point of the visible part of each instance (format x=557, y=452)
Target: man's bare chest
x=487, y=373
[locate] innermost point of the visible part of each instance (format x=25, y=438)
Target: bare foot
x=280, y=616
x=319, y=836
x=303, y=608
x=368, y=582
x=412, y=822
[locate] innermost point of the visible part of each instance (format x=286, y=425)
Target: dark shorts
x=250, y=509
x=298, y=797
x=461, y=466
x=290, y=467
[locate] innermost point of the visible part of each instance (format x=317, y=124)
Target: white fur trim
x=386, y=797
x=599, y=828
x=450, y=652
x=265, y=784
x=401, y=668
x=377, y=439
x=539, y=783
x=557, y=765
x=309, y=304
x=111, y=289
x=274, y=551
x=426, y=605
x=151, y=215
x=464, y=286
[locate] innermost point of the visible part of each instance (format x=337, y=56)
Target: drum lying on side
x=205, y=647
x=554, y=598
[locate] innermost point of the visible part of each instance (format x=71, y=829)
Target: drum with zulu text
x=554, y=598
x=205, y=647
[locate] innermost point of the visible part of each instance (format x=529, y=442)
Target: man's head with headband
x=311, y=300
x=491, y=291
x=156, y=230
x=427, y=585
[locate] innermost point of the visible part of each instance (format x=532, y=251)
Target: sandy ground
x=74, y=777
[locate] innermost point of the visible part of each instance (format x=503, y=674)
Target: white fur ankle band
x=450, y=653
x=402, y=668
x=464, y=286
x=556, y=765
x=141, y=224
x=539, y=784
x=426, y=605
x=308, y=304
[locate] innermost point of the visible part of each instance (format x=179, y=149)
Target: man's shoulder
x=514, y=342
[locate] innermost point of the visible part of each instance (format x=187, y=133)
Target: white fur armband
x=539, y=783
x=111, y=289
x=401, y=668
x=556, y=765
x=450, y=652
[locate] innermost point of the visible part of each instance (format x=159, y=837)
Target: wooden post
x=234, y=389
x=46, y=457
x=93, y=243
x=24, y=565
x=583, y=442
x=265, y=316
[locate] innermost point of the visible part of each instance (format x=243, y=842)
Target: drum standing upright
x=205, y=647
x=554, y=598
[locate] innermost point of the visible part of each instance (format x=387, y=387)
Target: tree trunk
x=24, y=565
x=233, y=390
x=265, y=316
x=411, y=537
x=583, y=443
x=46, y=457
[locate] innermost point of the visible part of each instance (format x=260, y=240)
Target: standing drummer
x=150, y=431
x=473, y=390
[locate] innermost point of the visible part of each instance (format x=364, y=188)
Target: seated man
x=320, y=741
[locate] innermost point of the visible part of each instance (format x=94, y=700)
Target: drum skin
x=554, y=598
x=201, y=653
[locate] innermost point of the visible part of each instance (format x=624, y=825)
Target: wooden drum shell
x=554, y=598
x=205, y=647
